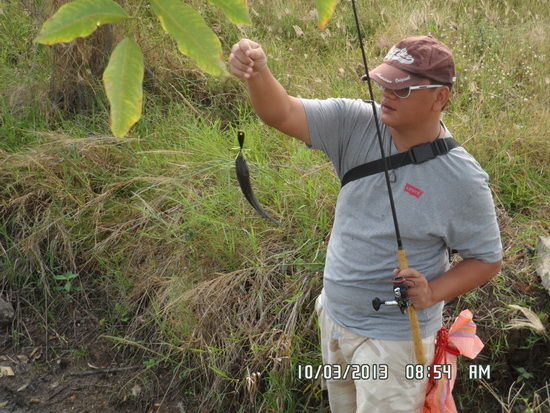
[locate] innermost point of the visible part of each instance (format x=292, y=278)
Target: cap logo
x=383, y=78
x=400, y=55
x=403, y=79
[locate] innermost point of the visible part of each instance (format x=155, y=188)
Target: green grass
x=161, y=238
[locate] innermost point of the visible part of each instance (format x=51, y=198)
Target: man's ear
x=443, y=94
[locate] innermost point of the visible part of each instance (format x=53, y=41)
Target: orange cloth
x=460, y=339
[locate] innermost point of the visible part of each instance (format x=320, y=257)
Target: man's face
x=415, y=109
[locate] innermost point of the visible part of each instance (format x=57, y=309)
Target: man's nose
x=388, y=94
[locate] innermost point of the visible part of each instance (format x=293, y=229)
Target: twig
x=61, y=390
x=104, y=371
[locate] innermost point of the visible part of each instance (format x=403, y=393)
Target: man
x=442, y=203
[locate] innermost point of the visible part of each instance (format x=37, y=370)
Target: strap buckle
x=426, y=151
x=421, y=153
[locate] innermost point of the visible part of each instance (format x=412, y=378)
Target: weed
x=150, y=363
x=68, y=286
x=523, y=374
x=82, y=352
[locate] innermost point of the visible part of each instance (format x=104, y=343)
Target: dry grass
x=245, y=322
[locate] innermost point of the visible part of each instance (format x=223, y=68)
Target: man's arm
x=463, y=277
x=269, y=99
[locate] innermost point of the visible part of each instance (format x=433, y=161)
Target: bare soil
x=76, y=369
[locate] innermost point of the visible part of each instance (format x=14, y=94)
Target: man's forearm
x=460, y=279
x=463, y=277
x=268, y=98
x=276, y=108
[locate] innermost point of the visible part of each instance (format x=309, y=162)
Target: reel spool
x=402, y=299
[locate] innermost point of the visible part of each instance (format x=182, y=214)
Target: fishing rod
x=402, y=298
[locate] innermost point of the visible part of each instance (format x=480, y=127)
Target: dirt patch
x=78, y=370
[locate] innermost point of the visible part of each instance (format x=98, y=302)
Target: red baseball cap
x=414, y=59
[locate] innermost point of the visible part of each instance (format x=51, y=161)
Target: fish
x=243, y=176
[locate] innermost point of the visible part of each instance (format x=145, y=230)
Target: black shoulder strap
x=417, y=154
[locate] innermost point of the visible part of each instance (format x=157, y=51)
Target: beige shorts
x=367, y=375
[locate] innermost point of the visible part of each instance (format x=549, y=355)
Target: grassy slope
x=155, y=225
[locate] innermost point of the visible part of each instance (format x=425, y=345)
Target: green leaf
x=325, y=9
x=235, y=10
x=79, y=18
x=123, y=79
x=221, y=373
x=70, y=275
x=193, y=36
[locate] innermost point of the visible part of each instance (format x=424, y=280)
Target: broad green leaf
x=123, y=79
x=325, y=8
x=235, y=10
x=79, y=18
x=193, y=36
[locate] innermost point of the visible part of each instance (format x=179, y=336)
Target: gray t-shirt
x=445, y=202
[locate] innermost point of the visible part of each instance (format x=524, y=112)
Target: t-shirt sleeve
x=336, y=126
x=475, y=233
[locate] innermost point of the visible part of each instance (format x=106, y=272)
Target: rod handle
x=413, y=317
x=417, y=338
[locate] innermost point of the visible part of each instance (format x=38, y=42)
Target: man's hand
x=419, y=290
x=463, y=277
x=247, y=59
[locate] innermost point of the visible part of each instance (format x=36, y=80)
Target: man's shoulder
x=337, y=103
x=458, y=175
x=465, y=164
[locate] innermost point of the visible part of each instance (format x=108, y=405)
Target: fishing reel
x=400, y=293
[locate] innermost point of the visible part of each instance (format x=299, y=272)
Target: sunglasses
x=406, y=91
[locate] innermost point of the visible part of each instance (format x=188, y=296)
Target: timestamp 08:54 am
x=381, y=371
x=371, y=371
